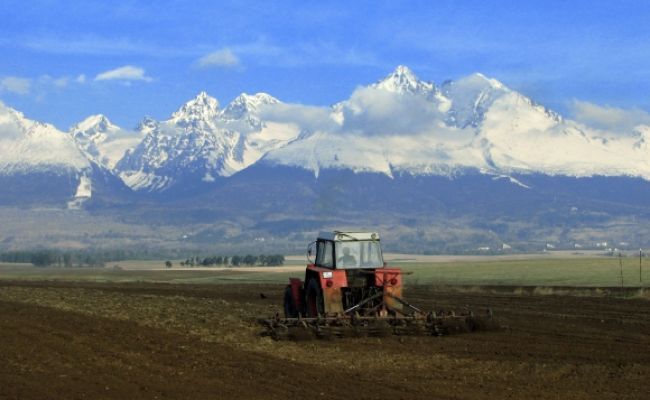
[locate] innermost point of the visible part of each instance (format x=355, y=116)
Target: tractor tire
x=314, y=305
x=290, y=309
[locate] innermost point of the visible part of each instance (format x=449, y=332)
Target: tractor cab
x=347, y=250
x=345, y=275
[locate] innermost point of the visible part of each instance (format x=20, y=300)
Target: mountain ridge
x=399, y=124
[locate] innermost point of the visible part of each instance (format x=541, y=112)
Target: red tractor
x=348, y=288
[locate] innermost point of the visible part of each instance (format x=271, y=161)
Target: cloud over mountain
x=619, y=120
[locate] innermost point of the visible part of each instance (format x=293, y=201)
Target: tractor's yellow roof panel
x=349, y=235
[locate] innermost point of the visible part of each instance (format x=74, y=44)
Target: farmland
x=566, y=330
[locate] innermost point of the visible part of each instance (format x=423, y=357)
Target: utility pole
x=640, y=273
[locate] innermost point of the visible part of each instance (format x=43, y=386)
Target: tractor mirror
x=310, y=251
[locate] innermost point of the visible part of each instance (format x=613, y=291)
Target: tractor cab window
x=358, y=254
x=325, y=254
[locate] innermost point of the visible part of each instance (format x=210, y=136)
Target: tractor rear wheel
x=290, y=309
x=314, y=305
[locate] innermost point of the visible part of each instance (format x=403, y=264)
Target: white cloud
x=8, y=128
x=15, y=84
x=125, y=73
x=311, y=118
x=618, y=120
x=220, y=58
x=81, y=78
x=61, y=82
x=370, y=112
x=373, y=112
x=46, y=80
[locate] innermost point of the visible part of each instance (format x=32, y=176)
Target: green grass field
x=583, y=272
x=588, y=272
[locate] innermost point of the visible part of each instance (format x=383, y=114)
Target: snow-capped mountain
x=402, y=152
x=402, y=124
x=39, y=163
x=404, y=81
x=247, y=108
x=398, y=125
x=196, y=113
x=102, y=141
x=202, y=142
x=29, y=146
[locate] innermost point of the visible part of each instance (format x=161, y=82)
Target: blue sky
x=63, y=60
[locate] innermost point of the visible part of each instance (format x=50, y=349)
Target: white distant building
x=577, y=246
x=484, y=248
x=550, y=246
x=506, y=246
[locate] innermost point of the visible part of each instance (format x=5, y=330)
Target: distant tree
x=182, y=263
x=235, y=260
x=168, y=264
x=275, y=259
x=210, y=261
x=43, y=258
x=249, y=259
x=67, y=260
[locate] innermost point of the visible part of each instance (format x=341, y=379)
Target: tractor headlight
x=327, y=274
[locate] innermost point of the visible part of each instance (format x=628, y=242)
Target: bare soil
x=83, y=340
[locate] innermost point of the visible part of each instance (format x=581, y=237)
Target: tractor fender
x=330, y=281
x=391, y=281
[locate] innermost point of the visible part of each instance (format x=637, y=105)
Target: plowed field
x=139, y=340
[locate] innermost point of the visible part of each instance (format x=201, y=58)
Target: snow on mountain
x=404, y=81
x=402, y=124
x=102, y=141
x=246, y=108
x=202, y=140
x=29, y=146
x=397, y=125
x=196, y=113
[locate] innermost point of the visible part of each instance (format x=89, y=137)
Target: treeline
x=235, y=261
x=98, y=258
x=63, y=259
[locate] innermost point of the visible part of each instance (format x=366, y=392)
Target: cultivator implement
x=349, y=291
x=382, y=324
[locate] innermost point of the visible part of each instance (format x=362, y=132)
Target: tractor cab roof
x=348, y=236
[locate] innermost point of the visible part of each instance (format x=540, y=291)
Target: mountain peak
x=404, y=70
x=403, y=80
x=205, y=100
x=479, y=78
x=201, y=108
x=245, y=104
x=147, y=124
x=94, y=123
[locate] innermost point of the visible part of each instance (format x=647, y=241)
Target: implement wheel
x=290, y=309
x=314, y=305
